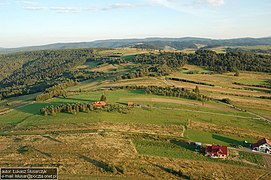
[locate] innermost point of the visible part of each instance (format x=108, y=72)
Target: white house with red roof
x=263, y=145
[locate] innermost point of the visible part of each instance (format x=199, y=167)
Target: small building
x=198, y=144
x=263, y=145
x=100, y=104
x=216, y=151
x=130, y=103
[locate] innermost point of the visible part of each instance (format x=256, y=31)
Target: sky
x=38, y=22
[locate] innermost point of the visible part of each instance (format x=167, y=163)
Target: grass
x=252, y=157
x=29, y=115
x=213, y=138
x=177, y=149
x=172, y=149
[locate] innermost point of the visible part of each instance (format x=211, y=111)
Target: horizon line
x=131, y=38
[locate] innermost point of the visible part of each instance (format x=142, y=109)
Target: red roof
x=217, y=149
x=100, y=103
x=130, y=103
x=261, y=142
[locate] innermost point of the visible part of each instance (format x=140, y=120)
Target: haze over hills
x=149, y=43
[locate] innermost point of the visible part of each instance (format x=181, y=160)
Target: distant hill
x=149, y=43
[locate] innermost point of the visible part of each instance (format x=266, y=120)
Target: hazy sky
x=35, y=22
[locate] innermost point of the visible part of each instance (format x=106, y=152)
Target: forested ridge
x=231, y=61
x=38, y=71
x=47, y=68
x=10, y=62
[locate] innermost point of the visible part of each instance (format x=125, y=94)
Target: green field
x=160, y=113
x=213, y=138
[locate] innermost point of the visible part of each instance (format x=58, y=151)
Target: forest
x=160, y=64
x=44, y=70
x=231, y=61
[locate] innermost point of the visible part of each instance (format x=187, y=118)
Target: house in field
x=216, y=151
x=99, y=104
x=263, y=145
x=130, y=103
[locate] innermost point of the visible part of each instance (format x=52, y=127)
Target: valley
x=151, y=139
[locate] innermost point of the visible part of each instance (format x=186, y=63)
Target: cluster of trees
x=160, y=64
x=67, y=108
x=231, y=61
x=81, y=107
x=155, y=70
x=171, y=59
x=55, y=91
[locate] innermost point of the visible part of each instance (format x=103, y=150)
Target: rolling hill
x=149, y=43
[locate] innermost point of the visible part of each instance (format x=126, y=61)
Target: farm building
x=130, y=103
x=100, y=104
x=263, y=145
x=216, y=151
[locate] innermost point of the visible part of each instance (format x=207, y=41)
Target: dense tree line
x=81, y=107
x=176, y=92
x=170, y=91
x=171, y=59
x=267, y=85
x=231, y=61
x=263, y=51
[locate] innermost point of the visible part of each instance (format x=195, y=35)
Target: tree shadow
x=136, y=91
x=183, y=144
x=98, y=164
x=41, y=152
x=75, y=99
x=52, y=139
x=171, y=171
x=232, y=142
x=34, y=109
x=121, y=103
